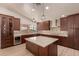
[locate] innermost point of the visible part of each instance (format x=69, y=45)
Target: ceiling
x=55, y=11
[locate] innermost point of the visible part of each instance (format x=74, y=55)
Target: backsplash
x=55, y=28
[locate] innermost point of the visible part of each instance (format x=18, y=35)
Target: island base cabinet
x=53, y=50
x=32, y=48
x=43, y=51
x=50, y=50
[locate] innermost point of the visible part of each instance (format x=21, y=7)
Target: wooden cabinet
x=43, y=51
x=76, y=21
x=70, y=38
x=32, y=48
x=70, y=21
x=22, y=38
x=50, y=50
x=16, y=23
x=63, y=23
x=76, y=38
x=67, y=26
x=7, y=26
x=62, y=41
x=6, y=31
x=53, y=50
x=76, y=31
x=73, y=25
x=45, y=25
x=73, y=31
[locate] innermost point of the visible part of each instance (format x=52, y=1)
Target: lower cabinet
x=6, y=42
x=72, y=41
x=22, y=38
x=76, y=38
x=63, y=41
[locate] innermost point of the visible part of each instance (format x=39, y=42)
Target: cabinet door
x=10, y=30
x=63, y=24
x=71, y=20
x=53, y=50
x=6, y=32
x=63, y=41
x=76, y=31
x=46, y=25
x=32, y=48
x=4, y=25
x=76, y=21
x=23, y=38
x=71, y=37
x=16, y=24
x=43, y=25
x=43, y=51
x=76, y=38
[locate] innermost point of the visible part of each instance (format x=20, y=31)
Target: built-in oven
x=17, y=40
x=17, y=37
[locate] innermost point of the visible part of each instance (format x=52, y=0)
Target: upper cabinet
x=16, y=23
x=63, y=23
x=76, y=21
x=45, y=25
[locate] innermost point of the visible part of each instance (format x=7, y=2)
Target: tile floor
x=20, y=50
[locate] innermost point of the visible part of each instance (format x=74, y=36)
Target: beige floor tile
x=20, y=50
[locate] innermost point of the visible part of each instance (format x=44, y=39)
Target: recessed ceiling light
x=33, y=9
x=46, y=7
x=62, y=15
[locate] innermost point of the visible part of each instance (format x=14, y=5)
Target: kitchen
x=40, y=37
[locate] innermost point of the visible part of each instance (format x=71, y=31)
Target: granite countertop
x=41, y=40
x=57, y=33
x=20, y=33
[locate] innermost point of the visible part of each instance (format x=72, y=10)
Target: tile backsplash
x=55, y=28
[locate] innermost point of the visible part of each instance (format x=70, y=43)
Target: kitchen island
x=42, y=46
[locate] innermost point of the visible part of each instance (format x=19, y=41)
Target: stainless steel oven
x=17, y=37
x=17, y=40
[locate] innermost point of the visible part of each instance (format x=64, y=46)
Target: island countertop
x=41, y=40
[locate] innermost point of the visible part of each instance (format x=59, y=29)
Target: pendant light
x=43, y=17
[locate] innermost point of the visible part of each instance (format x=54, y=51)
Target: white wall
x=23, y=20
